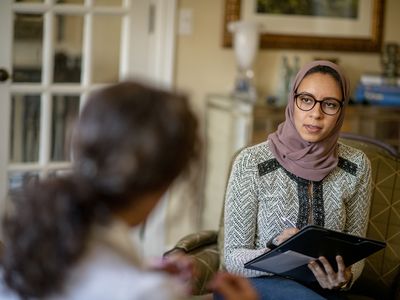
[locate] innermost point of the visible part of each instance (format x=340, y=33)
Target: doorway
x=53, y=54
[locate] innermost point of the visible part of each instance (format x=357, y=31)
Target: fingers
x=340, y=264
x=326, y=275
x=286, y=234
x=328, y=268
x=290, y=231
x=344, y=272
x=181, y=266
x=319, y=274
x=341, y=270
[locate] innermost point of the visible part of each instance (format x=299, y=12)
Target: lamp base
x=244, y=88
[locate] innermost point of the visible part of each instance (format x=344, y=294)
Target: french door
x=53, y=53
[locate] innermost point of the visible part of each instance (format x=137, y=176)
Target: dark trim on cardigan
x=347, y=166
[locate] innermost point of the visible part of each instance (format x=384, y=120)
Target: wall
x=203, y=66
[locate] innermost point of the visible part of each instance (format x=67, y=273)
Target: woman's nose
x=316, y=111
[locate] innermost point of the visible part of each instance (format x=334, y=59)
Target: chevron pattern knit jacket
x=260, y=193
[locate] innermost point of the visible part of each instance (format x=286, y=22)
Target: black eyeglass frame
x=318, y=101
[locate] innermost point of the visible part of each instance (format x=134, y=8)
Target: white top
x=111, y=269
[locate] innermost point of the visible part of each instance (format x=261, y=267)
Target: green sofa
x=381, y=276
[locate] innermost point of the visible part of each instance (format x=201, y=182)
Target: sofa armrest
x=195, y=241
x=202, y=247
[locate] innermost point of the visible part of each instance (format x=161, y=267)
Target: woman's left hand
x=179, y=265
x=327, y=277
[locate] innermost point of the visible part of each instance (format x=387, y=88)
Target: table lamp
x=246, y=38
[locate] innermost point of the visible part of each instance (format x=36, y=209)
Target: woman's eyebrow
x=325, y=98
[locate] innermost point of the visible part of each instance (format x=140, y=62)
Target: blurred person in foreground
x=69, y=237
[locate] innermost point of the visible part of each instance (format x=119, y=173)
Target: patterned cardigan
x=260, y=193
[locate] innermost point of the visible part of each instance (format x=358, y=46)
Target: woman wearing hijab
x=302, y=174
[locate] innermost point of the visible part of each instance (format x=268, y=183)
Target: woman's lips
x=312, y=128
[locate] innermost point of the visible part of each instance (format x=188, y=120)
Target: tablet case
x=290, y=258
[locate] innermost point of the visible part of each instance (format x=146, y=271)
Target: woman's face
x=314, y=125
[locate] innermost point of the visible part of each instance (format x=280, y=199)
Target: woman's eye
x=307, y=100
x=331, y=104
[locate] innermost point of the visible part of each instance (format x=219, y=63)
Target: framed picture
x=342, y=25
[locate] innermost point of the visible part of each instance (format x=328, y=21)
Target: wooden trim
x=274, y=41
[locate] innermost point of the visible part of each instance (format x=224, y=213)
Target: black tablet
x=290, y=258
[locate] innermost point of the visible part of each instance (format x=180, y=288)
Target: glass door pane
x=106, y=48
x=27, y=48
x=25, y=128
x=69, y=1
x=68, y=37
x=65, y=112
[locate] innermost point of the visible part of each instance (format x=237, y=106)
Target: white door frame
x=5, y=62
x=161, y=31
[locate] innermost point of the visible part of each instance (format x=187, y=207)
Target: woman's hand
x=233, y=287
x=327, y=277
x=286, y=234
x=179, y=265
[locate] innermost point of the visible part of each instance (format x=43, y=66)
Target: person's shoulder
x=104, y=274
x=352, y=159
x=351, y=153
x=255, y=154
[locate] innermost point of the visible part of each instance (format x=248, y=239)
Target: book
x=290, y=259
x=378, y=79
x=378, y=94
x=383, y=89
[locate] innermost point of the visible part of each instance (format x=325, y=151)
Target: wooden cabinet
x=265, y=121
x=379, y=122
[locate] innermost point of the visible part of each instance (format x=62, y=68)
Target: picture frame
x=370, y=42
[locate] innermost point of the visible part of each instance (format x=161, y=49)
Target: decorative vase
x=246, y=38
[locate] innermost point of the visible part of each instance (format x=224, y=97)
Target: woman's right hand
x=233, y=287
x=286, y=234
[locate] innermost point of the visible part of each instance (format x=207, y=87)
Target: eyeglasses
x=329, y=106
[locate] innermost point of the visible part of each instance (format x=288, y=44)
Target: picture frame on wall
x=338, y=25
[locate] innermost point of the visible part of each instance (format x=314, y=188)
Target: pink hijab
x=311, y=161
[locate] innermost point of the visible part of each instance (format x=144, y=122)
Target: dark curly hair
x=131, y=139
